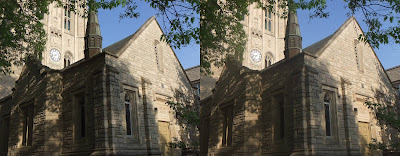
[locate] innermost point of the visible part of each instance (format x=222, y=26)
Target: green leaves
x=388, y=117
x=187, y=117
x=21, y=32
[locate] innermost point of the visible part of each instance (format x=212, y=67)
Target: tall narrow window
x=268, y=20
x=227, y=125
x=359, y=55
x=282, y=118
x=79, y=116
x=67, y=19
x=156, y=52
x=159, y=56
x=131, y=120
x=278, y=113
x=27, y=125
x=92, y=42
x=128, y=115
x=327, y=108
x=83, y=114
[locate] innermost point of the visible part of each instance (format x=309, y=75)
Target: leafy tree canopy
x=222, y=30
x=22, y=33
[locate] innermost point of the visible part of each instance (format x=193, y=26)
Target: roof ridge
x=393, y=67
x=117, y=52
x=190, y=68
x=329, y=38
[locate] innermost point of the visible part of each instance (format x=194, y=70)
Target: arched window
x=67, y=59
x=327, y=108
x=131, y=120
x=269, y=59
x=128, y=115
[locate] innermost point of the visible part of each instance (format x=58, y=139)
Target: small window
x=269, y=59
x=69, y=25
x=67, y=59
x=227, y=125
x=27, y=125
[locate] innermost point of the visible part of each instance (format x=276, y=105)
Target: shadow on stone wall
x=303, y=90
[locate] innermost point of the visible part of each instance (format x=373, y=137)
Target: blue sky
x=114, y=29
x=313, y=30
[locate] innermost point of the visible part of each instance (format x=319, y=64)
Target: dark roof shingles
x=193, y=73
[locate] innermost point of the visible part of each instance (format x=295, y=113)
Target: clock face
x=255, y=55
x=55, y=55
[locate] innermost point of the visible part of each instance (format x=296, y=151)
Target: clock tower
x=265, y=38
x=65, y=36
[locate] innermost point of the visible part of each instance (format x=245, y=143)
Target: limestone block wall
x=353, y=81
x=31, y=89
x=231, y=87
x=147, y=60
x=5, y=110
x=285, y=78
x=85, y=77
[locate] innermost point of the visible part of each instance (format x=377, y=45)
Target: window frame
x=279, y=106
x=329, y=104
x=227, y=123
x=76, y=116
x=333, y=114
x=134, y=114
x=359, y=56
x=27, y=111
x=268, y=21
x=159, y=56
x=67, y=19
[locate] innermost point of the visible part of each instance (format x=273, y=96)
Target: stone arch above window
x=329, y=103
x=269, y=59
x=68, y=57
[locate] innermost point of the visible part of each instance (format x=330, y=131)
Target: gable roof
x=193, y=73
x=317, y=48
x=394, y=73
x=117, y=48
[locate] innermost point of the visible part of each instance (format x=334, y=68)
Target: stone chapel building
x=307, y=101
x=111, y=102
